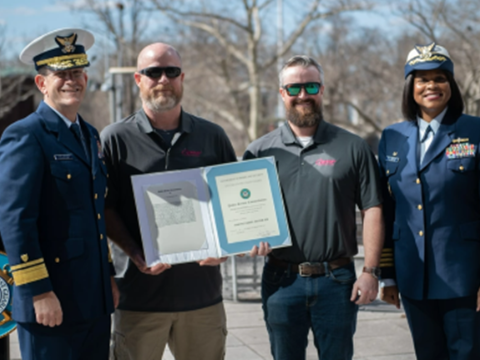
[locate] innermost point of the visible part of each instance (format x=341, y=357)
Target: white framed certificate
x=215, y=211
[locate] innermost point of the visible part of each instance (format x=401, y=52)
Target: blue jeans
x=293, y=304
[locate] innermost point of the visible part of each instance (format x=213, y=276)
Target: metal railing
x=242, y=276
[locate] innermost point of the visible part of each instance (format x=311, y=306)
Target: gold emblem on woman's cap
x=425, y=51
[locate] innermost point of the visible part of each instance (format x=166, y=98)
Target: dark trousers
x=87, y=340
x=444, y=329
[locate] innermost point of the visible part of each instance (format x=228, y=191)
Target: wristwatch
x=373, y=270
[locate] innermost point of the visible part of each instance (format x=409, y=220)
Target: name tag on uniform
x=63, y=157
x=393, y=158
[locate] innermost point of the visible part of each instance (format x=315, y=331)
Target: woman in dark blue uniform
x=429, y=168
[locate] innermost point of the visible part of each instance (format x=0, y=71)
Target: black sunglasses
x=311, y=88
x=155, y=72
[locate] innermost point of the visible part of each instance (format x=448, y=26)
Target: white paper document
x=215, y=211
x=175, y=214
x=253, y=215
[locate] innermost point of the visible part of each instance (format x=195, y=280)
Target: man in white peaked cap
x=52, y=189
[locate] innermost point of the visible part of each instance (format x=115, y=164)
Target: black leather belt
x=307, y=269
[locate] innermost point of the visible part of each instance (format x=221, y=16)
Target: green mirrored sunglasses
x=311, y=88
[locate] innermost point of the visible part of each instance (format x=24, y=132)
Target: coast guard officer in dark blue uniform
x=52, y=190
x=431, y=180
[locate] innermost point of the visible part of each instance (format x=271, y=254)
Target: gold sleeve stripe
x=109, y=254
x=390, y=264
x=388, y=250
x=27, y=276
x=27, y=264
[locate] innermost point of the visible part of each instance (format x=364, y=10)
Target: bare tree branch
x=13, y=95
x=311, y=16
x=226, y=115
x=161, y=5
x=364, y=116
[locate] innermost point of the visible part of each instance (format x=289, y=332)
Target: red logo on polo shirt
x=193, y=153
x=323, y=162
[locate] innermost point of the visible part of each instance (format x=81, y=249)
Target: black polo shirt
x=321, y=185
x=133, y=147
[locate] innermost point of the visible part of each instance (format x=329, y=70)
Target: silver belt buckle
x=300, y=269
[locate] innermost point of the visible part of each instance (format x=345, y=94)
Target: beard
x=309, y=117
x=164, y=102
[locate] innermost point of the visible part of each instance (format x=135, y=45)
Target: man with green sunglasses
x=325, y=172
x=311, y=88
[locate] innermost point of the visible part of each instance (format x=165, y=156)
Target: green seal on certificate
x=215, y=211
x=245, y=193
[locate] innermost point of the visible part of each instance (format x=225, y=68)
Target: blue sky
x=27, y=19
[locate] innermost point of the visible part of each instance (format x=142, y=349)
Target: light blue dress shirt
x=422, y=128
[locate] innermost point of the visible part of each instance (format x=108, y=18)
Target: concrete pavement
x=382, y=334
x=382, y=331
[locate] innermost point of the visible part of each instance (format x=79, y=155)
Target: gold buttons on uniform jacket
x=69, y=176
x=57, y=260
x=418, y=181
x=395, y=153
x=99, y=217
x=420, y=233
x=101, y=236
x=388, y=172
x=461, y=168
x=96, y=196
x=419, y=207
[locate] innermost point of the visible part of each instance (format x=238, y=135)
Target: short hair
x=44, y=71
x=410, y=108
x=303, y=61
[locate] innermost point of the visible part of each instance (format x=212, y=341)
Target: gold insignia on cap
x=67, y=42
x=24, y=257
x=425, y=54
x=425, y=51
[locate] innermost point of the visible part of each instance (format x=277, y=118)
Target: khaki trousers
x=197, y=334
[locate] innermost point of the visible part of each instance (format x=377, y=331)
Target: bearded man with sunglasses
x=182, y=304
x=324, y=172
